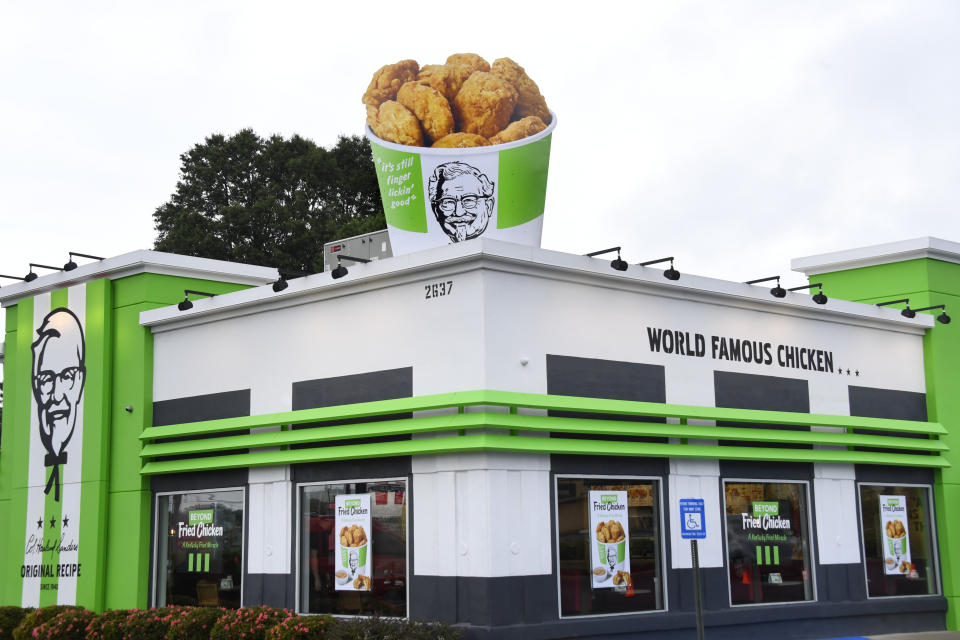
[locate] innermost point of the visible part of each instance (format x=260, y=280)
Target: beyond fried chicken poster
x=896, y=539
x=609, y=540
x=353, y=551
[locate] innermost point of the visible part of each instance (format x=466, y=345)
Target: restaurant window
x=609, y=545
x=353, y=548
x=897, y=540
x=768, y=542
x=200, y=548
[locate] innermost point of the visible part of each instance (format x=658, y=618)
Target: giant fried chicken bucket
x=461, y=151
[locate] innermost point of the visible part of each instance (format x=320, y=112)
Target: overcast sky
x=732, y=135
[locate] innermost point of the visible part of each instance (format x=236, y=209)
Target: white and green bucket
x=436, y=197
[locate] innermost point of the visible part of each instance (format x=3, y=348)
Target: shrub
x=24, y=631
x=194, y=623
x=108, y=625
x=66, y=625
x=302, y=628
x=10, y=617
x=149, y=624
x=377, y=628
x=250, y=623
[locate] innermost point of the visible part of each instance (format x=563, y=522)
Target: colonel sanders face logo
x=58, y=379
x=462, y=199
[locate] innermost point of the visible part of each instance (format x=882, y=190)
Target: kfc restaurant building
x=489, y=434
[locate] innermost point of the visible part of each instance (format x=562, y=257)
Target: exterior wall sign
x=692, y=521
x=896, y=536
x=57, y=379
x=354, y=555
x=609, y=540
x=740, y=349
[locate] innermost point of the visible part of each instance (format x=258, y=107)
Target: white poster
x=896, y=539
x=354, y=556
x=609, y=540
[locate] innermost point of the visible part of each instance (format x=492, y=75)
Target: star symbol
x=53, y=521
x=857, y=372
x=848, y=371
x=40, y=523
x=840, y=371
x=66, y=521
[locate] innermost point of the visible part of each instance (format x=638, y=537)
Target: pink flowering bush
x=10, y=618
x=34, y=619
x=302, y=628
x=194, y=623
x=66, y=625
x=149, y=624
x=108, y=625
x=248, y=623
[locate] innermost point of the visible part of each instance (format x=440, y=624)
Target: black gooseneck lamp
x=818, y=297
x=907, y=312
x=341, y=270
x=669, y=274
x=943, y=318
x=30, y=277
x=617, y=263
x=281, y=283
x=186, y=304
x=71, y=265
x=777, y=291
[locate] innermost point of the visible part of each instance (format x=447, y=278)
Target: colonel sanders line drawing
x=58, y=378
x=462, y=199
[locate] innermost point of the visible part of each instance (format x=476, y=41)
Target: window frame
x=664, y=565
x=811, y=546
x=934, y=541
x=156, y=536
x=408, y=534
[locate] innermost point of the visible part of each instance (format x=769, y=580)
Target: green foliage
x=302, y=628
x=248, y=623
x=195, y=623
x=66, y=625
x=10, y=617
x=377, y=628
x=271, y=201
x=34, y=619
x=109, y=625
x=149, y=624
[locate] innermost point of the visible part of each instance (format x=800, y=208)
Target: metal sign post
x=693, y=527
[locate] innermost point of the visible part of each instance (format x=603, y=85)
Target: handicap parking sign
x=692, y=523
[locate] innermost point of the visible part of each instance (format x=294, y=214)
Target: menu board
x=609, y=540
x=896, y=537
x=353, y=551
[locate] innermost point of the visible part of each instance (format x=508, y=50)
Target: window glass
x=200, y=549
x=768, y=544
x=899, y=558
x=387, y=593
x=582, y=592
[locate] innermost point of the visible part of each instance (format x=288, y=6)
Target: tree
x=270, y=201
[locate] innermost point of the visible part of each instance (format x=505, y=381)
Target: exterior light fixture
x=70, y=266
x=943, y=318
x=30, y=277
x=186, y=304
x=341, y=270
x=282, y=283
x=906, y=313
x=818, y=297
x=777, y=291
x=669, y=274
x=617, y=263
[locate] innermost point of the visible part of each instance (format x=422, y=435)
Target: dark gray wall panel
x=611, y=379
x=869, y=402
x=211, y=406
x=361, y=387
x=770, y=393
x=270, y=589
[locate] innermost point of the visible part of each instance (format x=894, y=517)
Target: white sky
x=732, y=135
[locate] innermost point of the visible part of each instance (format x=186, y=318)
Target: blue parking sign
x=693, y=525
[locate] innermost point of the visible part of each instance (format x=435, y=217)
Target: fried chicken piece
x=387, y=81
x=430, y=107
x=394, y=122
x=531, y=103
x=484, y=104
x=472, y=60
x=460, y=141
x=446, y=78
x=519, y=130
